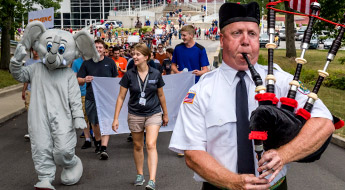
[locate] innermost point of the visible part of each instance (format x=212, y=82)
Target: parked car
x=104, y=25
x=314, y=42
x=324, y=34
x=13, y=42
x=328, y=43
x=264, y=39
x=119, y=23
x=299, y=34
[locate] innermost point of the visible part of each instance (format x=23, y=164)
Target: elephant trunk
x=53, y=53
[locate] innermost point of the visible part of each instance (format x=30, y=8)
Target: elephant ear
x=86, y=45
x=32, y=33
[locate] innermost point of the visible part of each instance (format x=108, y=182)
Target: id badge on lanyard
x=142, y=99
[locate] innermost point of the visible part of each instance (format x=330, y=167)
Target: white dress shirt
x=209, y=122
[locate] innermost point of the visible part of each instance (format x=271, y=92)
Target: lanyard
x=142, y=90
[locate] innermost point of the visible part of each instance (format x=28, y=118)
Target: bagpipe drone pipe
x=272, y=126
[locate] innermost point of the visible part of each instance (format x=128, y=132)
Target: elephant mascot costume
x=55, y=110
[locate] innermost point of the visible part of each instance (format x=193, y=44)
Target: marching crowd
x=141, y=66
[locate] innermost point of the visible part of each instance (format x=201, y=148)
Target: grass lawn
x=333, y=98
x=6, y=79
x=316, y=60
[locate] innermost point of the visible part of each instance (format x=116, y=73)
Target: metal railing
x=143, y=11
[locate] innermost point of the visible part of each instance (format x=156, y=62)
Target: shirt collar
x=135, y=70
x=230, y=73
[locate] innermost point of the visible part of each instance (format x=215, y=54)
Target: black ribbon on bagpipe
x=272, y=127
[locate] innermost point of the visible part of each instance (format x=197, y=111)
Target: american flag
x=189, y=98
x=302, y=6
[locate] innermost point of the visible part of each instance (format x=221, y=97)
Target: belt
x=281, y=181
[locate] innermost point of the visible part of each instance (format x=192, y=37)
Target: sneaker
x=27, y=137
x=87, y=144
x=82, y=135
x=140, y=180
x=150, y=185
x=104, y=155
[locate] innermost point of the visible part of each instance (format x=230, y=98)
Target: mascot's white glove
x=20, y=52
x=79, y=123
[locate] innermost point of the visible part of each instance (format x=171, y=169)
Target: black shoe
x=87, y=144
x=98, y=150
x=98, y=147
x=104, y=155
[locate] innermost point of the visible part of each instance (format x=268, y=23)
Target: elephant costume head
x=58, y=48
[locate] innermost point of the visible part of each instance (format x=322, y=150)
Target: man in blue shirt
x=190, y=55
x=76, y=67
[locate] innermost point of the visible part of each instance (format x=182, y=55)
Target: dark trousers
x=208, y=186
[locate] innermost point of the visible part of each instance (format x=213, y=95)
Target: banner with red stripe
x=302, y=6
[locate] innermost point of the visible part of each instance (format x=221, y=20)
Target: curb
x=12, y=115
x=338, y=140
x=10, y=90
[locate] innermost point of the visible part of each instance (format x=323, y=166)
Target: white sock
x=88, y=139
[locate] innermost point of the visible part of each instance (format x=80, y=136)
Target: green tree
x=289, y=32
x=11, y=15
x=333, y=11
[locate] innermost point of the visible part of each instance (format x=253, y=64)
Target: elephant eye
x=61, y=49
x=49, y=46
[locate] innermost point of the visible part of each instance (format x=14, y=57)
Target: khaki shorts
x=27, y=100
x=138, y=123
x=83, y=102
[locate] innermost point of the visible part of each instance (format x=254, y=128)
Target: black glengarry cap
x=234, y=12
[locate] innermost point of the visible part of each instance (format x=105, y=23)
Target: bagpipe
x=272, y=126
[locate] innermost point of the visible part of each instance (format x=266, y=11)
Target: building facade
x=80, y=13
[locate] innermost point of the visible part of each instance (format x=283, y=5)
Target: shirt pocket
x=221, y=128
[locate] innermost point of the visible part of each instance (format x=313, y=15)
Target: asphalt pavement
x=116, y=173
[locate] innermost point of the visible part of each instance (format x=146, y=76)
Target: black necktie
x=245, y=161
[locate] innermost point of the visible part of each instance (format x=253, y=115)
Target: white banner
x=46, y=16
x=133, y=39
x=107, y=89
x=159, y=31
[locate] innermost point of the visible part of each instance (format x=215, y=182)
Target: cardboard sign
x=46, y=16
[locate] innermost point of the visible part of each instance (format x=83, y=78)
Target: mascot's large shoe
x=44, y=185
x=70, y=176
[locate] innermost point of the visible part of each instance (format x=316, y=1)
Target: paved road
x=118, y=172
